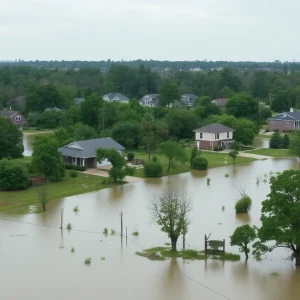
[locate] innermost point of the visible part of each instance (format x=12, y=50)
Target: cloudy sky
x=260, y=30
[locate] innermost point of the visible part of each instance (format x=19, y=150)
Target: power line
x=132, y=241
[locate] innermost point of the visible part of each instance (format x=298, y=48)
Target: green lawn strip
x=271, y=152
x=37, y=131
x=215, y=159
x=18, y=202
x=161, y=253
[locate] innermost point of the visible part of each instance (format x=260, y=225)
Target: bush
x=276, y=140
x=236, y=146
x=153, y=169
x=73, y=173
x=154, y=159
x=13, y=176
x=130, y=156
x=200, y=163
x=129, y=170
x=74, y=167
x=218, y=148
x=243, y=205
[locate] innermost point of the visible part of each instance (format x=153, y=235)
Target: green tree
x=226, y=92
x=286, y=142
x=276, y=140
x=170, y=211
x=233, y=154
x=42, y=195
x=90, y=110
x=173, y=152
x=281, y=216
x=295, y=143
x=47, y=159
x=82, y=132
x=117, y=172
x=193, y=155
x=282, y=101
x=236, y=146
x=241, y=237
x=127, y=134
x=168, y=94
x=11, y=142
x=61, y=136
x=200, y=163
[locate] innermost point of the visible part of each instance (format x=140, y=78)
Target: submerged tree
x=42, y=195
x=242, y=236
x=170, y=211
x=294, y=145
x=233, y=154
x=281, y=216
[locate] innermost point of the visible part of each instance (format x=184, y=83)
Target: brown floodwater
x=260, y=142
x=36, y=262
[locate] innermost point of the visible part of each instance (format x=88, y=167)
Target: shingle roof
x=214, y=128
x=87, y=148
x=119, y=95
x=287, y=116
x=8, y=113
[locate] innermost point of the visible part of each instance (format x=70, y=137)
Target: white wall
x=211, y=136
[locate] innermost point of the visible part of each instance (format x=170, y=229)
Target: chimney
x=291, y=109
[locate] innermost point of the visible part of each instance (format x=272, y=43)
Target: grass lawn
x=35, y=131
x=271, y=152
x=214, y=159
x=18, y=202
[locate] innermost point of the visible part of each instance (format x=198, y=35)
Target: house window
x=228, y=135
x=216, y=136
x=17, y=118
x=200, y=135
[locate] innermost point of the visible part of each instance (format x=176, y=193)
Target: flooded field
x=36, y=262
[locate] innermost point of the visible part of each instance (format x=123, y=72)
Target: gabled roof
x=287, y=116
x=214, y=128
x=8, y=113
x=87, y=148
x=119, y=95
x=193, y=96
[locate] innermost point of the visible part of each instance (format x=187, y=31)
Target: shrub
x=76, y=208
x=235, y=146
x=200, y=163
x=73, y=167
x=153, y=169
x=243, y=205
x=105, y=231
x=13, y=176
x=69, y=226
x=88, y=261
x=129, y=170
x=73, y=173
x=218, y=148
x=130, y=156
x=154, y=159
x=276, y=140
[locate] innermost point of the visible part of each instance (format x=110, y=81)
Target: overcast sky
x=260, y=30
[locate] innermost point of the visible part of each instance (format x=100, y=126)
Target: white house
x=150, y=100
x=188, y=99
x=212, y=135
x=116, y=97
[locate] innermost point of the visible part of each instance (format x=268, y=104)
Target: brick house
x=286, y=121
x=83, y=153
x=209, y=136
x=15, y=117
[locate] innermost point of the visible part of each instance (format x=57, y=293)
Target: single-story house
x=188, y=99
x=15, y=117
x=221, y=102
x=151, y=100
x=209, y=136
x=83, y=153
x=285, y=121
x=116, y=97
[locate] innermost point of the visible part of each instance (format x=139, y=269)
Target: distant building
x=78, y=101
x=221, y=102
x=53, y=109
x=116, y=97
x=15, y=117
x=286, y=121
x=188, y=99
x=150, y=100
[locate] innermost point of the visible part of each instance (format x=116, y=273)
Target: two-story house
x=15, y=117
x=212, y=135
x=151, y=100
x=188, y=99
x=116, y=97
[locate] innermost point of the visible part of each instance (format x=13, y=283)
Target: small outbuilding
x=83, y=153
x=213, y=135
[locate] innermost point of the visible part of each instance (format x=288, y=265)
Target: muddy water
x=261, y=142
x=36, y=263
x=28, y=142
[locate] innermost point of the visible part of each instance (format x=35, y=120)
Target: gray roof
x=193, y=96
x=287, y=116
x=8, y=113
x=214, y=128
x=78, y=101
x=87, y=148
x=119, y=95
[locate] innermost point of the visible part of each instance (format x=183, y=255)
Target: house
x=221, y=102
x=151, y=100
x=285, y=121
x=83, y=153
x=78, y=101
x=53, y=109
x=188, y=99
x=15, y=117
x=209, y=136
x=116, y=97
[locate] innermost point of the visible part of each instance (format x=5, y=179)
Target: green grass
x=18, y=202
x=215, y=159
x=37, y=131
x=271, y=152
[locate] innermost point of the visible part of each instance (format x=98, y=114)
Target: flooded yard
x=36, y=262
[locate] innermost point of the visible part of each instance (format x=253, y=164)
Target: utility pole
x=121, y=215
x=61, y=218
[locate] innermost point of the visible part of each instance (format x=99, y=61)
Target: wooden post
x=61, y=218
x=121, y=214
